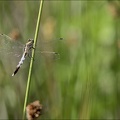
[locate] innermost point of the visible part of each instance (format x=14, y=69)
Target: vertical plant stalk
x=31, y=62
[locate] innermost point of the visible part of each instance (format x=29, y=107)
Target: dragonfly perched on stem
x=5, y=42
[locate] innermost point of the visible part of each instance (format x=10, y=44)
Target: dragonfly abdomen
x=20, y=63
x=16, y=70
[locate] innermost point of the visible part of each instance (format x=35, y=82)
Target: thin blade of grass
x=32, y=59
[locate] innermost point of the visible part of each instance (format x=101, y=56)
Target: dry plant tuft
x=34, y=110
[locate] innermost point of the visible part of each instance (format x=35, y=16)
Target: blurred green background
x=85, y=82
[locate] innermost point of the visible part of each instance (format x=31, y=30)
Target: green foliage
x=84, y=82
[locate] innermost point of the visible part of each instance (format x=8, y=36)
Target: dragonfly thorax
x=29, y=44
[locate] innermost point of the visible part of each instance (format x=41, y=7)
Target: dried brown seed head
x=33, y=110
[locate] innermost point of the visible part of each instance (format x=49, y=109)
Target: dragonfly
x=27, y=49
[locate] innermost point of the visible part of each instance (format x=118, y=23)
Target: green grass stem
x=31, y=63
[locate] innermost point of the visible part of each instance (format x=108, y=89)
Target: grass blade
x=33, y=54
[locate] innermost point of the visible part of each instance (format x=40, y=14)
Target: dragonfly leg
x=29, y=55
x=33, y=47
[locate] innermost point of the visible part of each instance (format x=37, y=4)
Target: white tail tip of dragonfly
x=13, y=74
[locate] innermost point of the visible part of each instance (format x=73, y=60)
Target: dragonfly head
x=31, y=40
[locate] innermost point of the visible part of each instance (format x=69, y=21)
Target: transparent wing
x=10, y=52
x=47, y=44
x=48, y=54
x=10, y=46
x=48, y=49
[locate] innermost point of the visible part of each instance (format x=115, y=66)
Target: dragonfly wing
x=48, y=54
x=10, y=46
x=10, y=52
x=48, y=44
x=48, y=48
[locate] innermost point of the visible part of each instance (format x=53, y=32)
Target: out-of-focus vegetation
x=84, y=82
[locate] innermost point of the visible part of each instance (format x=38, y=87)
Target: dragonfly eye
x=30, y=40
